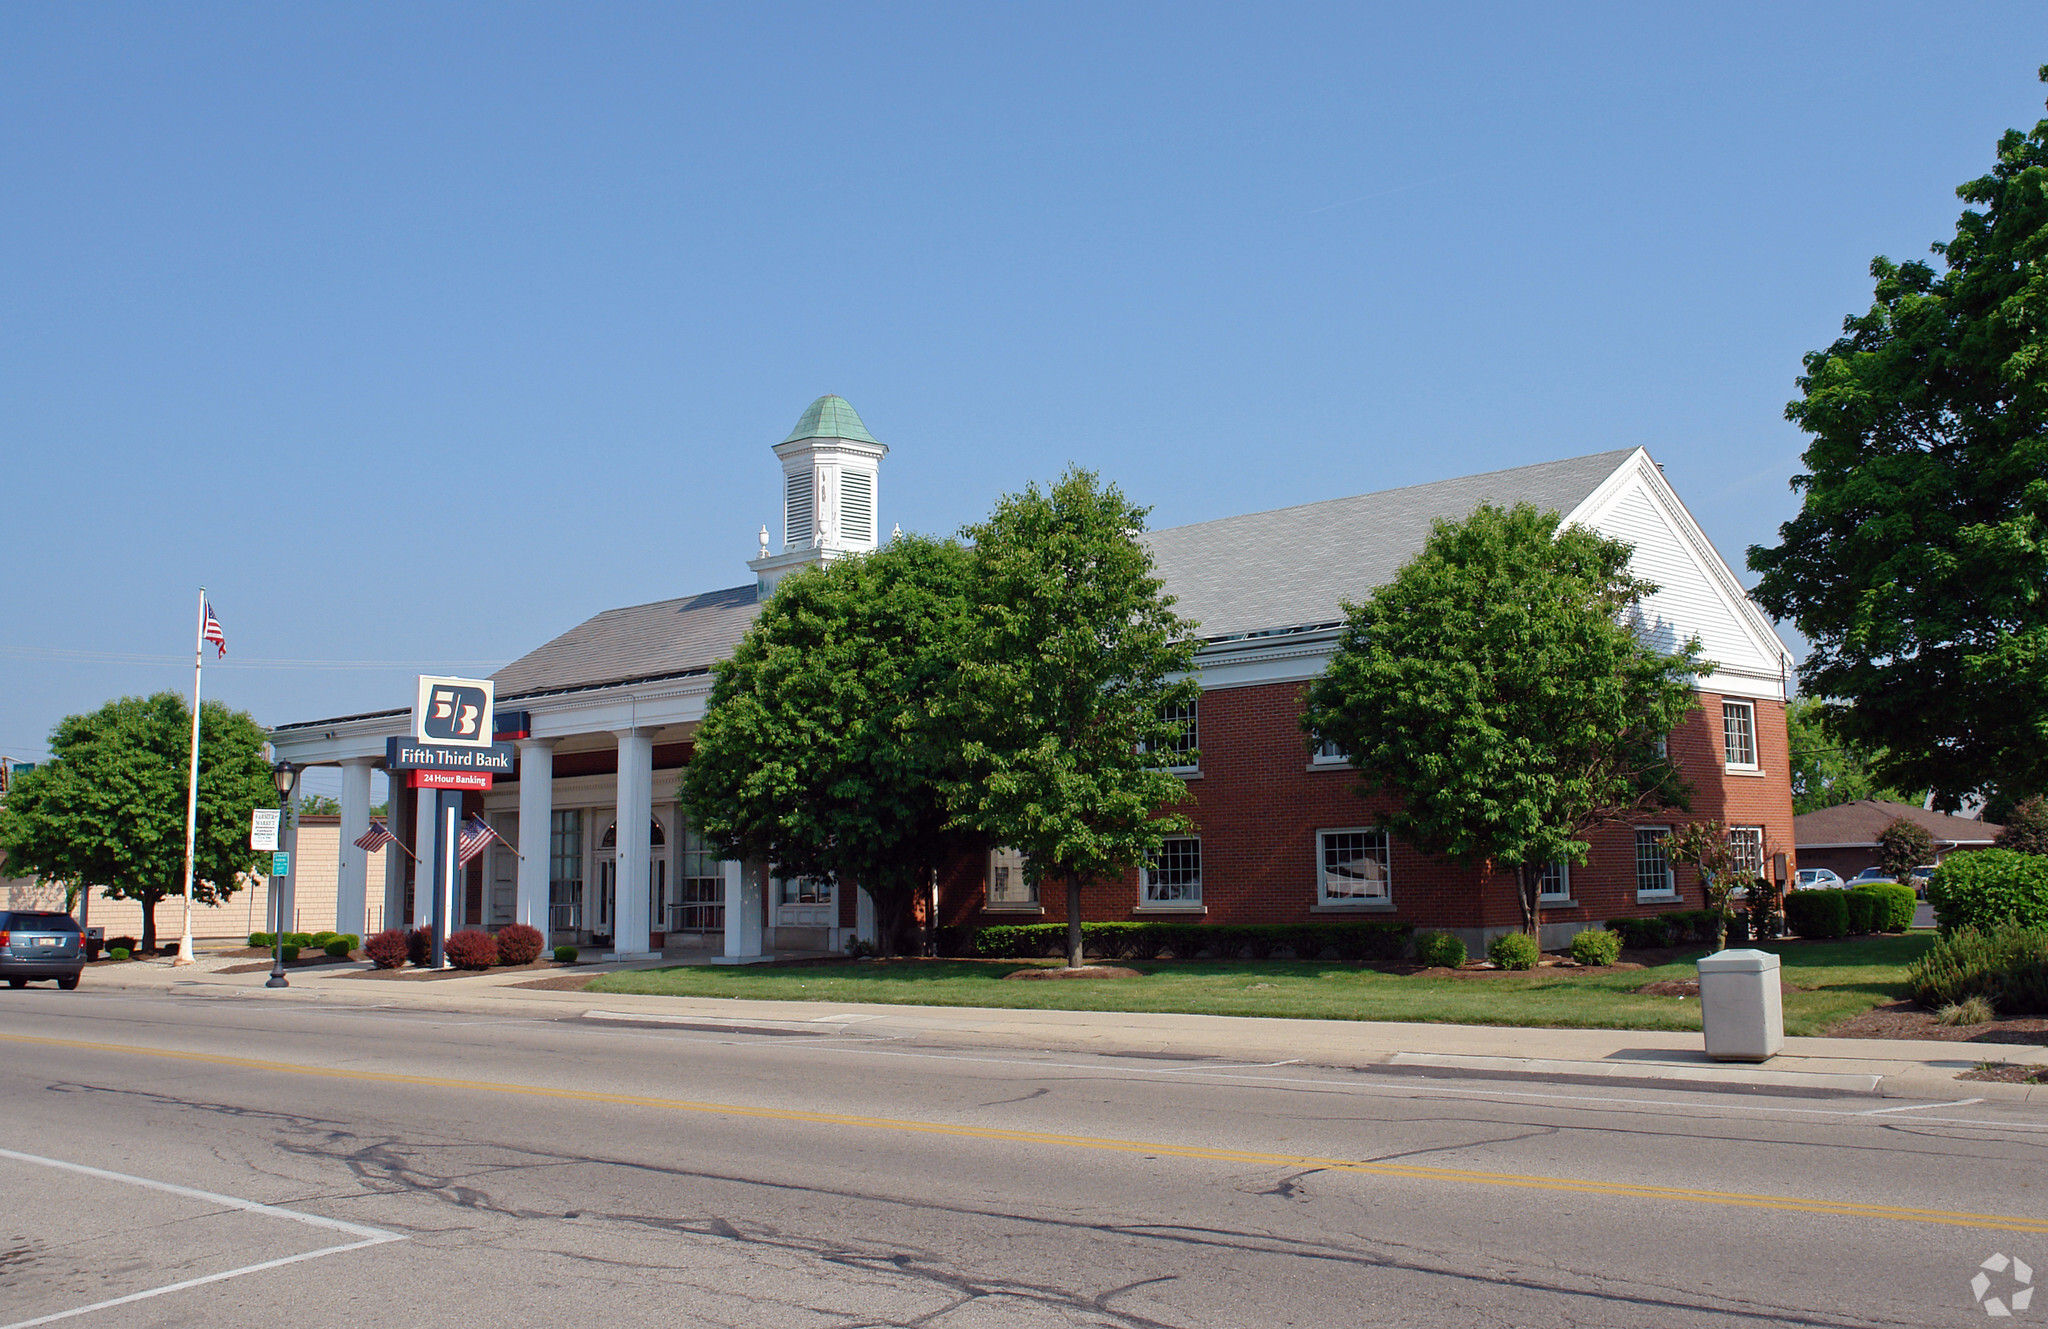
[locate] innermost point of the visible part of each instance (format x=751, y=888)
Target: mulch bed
x=559, y=983
x=2006, y=1073
x=1905, y=1019
x=264, y=966
x=1090, y=971
x=410, y=974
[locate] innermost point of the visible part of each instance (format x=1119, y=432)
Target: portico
x=605, y=856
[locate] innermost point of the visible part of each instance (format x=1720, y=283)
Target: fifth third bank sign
x=453, y=712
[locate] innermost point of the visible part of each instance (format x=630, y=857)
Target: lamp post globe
x=286, y=777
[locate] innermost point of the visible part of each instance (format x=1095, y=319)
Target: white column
x=536, y=816
x=864, y=915
x=352, y=872
x=636, y=815
x=395, y=857
x=742, y=912
x=424, y=839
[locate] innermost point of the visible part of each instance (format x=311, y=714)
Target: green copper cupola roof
x=831, y=416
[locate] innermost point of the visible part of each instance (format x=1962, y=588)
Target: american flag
x=210, y=629
x=376, y=837
x=476, y=836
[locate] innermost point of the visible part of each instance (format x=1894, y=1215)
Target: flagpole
x=184, y=955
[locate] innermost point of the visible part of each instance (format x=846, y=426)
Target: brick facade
x=1260, y=800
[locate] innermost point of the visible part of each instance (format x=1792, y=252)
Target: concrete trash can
x=1741, y=1005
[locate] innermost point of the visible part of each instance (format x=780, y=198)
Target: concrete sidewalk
x=1894, y=1068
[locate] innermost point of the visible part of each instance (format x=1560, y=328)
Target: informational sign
x=454, y=712
x=263, y=829
x=448, y=779
x=281, y=863
x=404, y=755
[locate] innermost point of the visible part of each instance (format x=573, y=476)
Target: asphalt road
x=315, y=1165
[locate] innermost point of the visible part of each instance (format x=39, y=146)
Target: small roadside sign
x=281, y=863
x=263, y=829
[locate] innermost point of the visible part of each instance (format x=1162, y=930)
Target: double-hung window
x=1738, y=734
x=1554, y=883
x=1009, y=885
x=1352, y=867
x=1186, y=743
x=1174, y=874
x=1328, y=752
x=1746, y=850
x=1653, y=868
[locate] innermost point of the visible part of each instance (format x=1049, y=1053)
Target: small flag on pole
x=476, y=837
x=210, y=630
x=378, y=836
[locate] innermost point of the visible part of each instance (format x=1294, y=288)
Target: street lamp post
x=286, y=777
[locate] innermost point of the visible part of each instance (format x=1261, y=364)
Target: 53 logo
x=2013, y=1294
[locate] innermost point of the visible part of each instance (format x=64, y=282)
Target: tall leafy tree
x=1496, y=686
x=1918, y=563
x=1077, y=662
x=1828, y=769
x=828, y=740
x=108, y=809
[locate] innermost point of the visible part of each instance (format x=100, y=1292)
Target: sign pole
x=443, y=849
x=184, y=955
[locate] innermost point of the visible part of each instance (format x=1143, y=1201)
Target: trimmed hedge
x=519, y=943
x=2006, y=966
x=566, y=954
x=387, y=950
x=291, y=952
x=1684, y=927
x=1892, y=905
x=338, y=948
x=1859, y=909
x=1988, y=887
x=1817, y=914
x=1349, y=942
x=1439, y=950
x=471, y=949
x=119, y=953
x=1514, y=950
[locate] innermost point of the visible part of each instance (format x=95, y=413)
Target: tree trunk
x=1074, y=921
x=149, y=900
x=1525, y=889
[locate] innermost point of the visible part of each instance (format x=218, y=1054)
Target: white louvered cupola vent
x=797, y=512
x=857, y=507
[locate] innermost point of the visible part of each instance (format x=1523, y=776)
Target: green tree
x=1496, y=687
x=108, y=808
x=1706, y=846
x=319, y=805
x=2026, y=827
x=828, y=740
x=1077, y=662
x=1902, y=846
x=1918, y=563
x=1828, y=770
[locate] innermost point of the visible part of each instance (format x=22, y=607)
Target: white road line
x=1919, y=1107
x=366, y=1236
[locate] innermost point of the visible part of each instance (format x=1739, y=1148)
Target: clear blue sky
x=421, y=333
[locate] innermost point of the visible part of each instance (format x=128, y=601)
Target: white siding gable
x=1698, y=594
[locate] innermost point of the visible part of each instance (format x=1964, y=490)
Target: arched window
x=655, y=836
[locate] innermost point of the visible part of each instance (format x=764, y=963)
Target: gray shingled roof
x=641, y=641
x=1862, y=821
x=1293, y=567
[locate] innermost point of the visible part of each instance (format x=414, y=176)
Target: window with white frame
x=1653, y=866
x=803, y=890
x=1352, y=867
x=1009, y=885
x=1746, y=850
x=1554, y=881
x=1329, y=752
x=1738, y=734
x=1184, y=743
x=1174, y=874
x=1662, y=747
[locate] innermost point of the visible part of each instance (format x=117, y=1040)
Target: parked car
x=40, y=944
x=1818, y=879
x=1872, y=874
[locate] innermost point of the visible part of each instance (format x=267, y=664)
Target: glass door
x=607, y=891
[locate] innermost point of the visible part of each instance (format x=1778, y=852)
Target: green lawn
x=1837, y=980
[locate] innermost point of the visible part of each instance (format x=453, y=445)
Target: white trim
x=1145, y=901
x=1384, y=899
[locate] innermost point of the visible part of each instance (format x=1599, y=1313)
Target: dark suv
x=37, y=944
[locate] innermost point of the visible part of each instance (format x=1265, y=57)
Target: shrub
x=1857, y=908
x=260, y=941
x=471, y=949
x=1988, y=887
x=1514, y=950
x=1640, y=933
x=2026, y=827
x=1738, y=927
x=303, y=940
x=1817, y=914
x=1439, y=950
x=291, y=952
x=387, y=950
x=419, y=946
x=1596, y=946
x=2006, y=966
x=321, y=939
x=1184, y=941
x=119, y=953
x=338, y=948
x=566, y=954
x=1892, y=905
x=520, y=943
x=1903, y=846
x=1374, y=941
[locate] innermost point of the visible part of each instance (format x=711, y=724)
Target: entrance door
x=607, y=892
x=504, y=893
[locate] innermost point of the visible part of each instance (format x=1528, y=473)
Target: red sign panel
x=448, y=779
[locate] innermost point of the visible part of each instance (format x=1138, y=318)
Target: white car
x=1818, y=879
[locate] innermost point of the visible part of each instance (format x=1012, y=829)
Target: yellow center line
x=1458, y=1176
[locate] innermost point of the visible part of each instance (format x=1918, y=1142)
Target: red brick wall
x=1259, y=804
